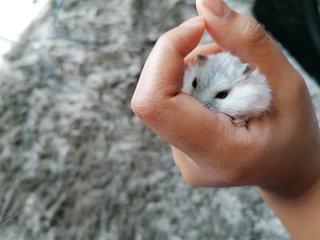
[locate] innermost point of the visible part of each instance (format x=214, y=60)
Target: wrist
x=299, y=209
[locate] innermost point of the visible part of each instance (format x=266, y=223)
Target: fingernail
x=192, y=21
x=218, y=7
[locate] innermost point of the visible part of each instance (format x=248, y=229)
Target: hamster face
x=222, y=83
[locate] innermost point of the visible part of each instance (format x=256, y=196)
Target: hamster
x=224, y=84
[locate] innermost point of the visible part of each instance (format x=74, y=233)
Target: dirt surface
x=75, y=163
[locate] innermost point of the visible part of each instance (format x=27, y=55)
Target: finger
x=165, y=66
x=242, y=36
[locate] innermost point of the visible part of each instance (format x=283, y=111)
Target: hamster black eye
x=222, y=94
x=194, y=83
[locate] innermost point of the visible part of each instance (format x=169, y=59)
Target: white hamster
x=224, y=84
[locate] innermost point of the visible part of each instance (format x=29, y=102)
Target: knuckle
x=143, y=109
x=165, y=40
x=169, y=41
x=298, y=89
x=235, y=177
x=252, y=30
x=191, y=180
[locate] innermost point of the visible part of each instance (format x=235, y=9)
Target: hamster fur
x=224, y=84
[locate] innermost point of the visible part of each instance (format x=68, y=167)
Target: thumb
x=239, y=34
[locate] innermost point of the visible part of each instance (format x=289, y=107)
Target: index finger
x=165, y=63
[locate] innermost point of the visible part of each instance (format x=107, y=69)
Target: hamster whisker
x=207, y=105
x=210, y=107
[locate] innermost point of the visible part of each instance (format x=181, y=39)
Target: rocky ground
x=75, y=163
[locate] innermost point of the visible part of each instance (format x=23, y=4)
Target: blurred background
x=15, y=17
x=75, y=163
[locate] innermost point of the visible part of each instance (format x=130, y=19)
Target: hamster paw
x=240, y=121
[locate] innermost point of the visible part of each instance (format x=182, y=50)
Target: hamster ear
x=201, y=60
x=247, y=70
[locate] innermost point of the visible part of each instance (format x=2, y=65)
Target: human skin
x=278, y=152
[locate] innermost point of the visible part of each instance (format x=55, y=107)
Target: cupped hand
x=278, y=151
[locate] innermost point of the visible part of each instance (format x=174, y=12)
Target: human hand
x=278, y=152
